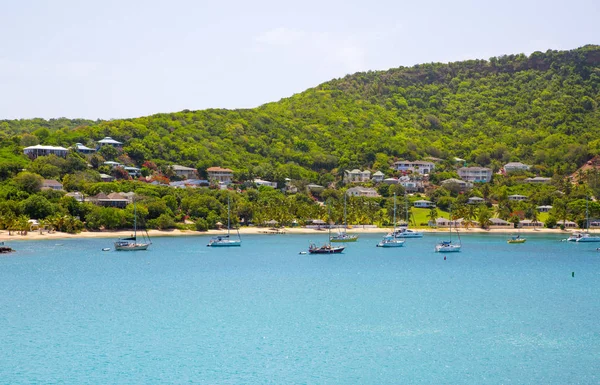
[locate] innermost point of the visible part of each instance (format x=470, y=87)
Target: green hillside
x=540, y=109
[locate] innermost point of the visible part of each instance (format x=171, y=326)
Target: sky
x=108, y=59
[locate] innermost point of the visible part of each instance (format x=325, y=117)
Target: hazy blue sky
x=113, y=59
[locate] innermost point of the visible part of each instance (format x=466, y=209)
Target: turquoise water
x=264, y=314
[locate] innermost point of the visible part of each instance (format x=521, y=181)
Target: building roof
x=453, y=180
x=109, y=140
x=474, y=168
x=217, y=169
x=106, y=176
x=378, y=173
x=544, y=207
x=80, y=146
x=422, y=201
x=177, y=167
x=538, y=179
x=40, y=147
x=51, y=182
x=517, y=196
x=498, y=221
x=516, y=164
x=478, y=199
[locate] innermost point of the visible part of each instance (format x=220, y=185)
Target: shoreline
x=35, y=235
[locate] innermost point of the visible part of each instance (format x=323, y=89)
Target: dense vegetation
x=539, y=109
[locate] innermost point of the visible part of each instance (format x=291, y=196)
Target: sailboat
x=404, y=231
x=131, y=243
x=587, y=237
x=448, y=246
x=390, y=239
x=226, y=240
x=326, y=248
x=342, y=236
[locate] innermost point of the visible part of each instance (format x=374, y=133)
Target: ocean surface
x=183, y=313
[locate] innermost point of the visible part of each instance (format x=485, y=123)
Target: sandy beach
x=35, y=235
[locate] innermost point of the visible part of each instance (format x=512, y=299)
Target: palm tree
x=483, y=216
x=433, y=214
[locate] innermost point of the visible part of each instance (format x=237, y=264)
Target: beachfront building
x=423, y=204
x=220, y=175
x=356, y=175
x=38, y=150
x=362, y=192
x=530, y=223
x=475, y=174
x=418, y=166
x=515, y=166
x=378, y=176
x=497, y=222
x=461, y=183
x=108, y=141
x=184, y=172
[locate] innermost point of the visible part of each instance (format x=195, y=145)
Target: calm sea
x=265, y=314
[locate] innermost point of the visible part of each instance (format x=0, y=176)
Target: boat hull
x=516, y=241
x=390, y=244
x=349, y=238
x=132, y=247
x=225, y=244
x=447, y=248
x=588, y=239
x=326, y=250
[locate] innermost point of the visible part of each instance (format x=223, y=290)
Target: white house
x=516, y=166
x=424, y=204
x=391, y=181
x=357, y=176
x=475, y=200
x=499, y=222
x=260, y=182
x=184, y=172
x=133, y=172
x=34, y=151
x=530, y=223
x=475, y=174
x=537, y=179
x=80, y=148
x=362, y=192
x=79, y=197
x=112, y=164
x=417, y=166
x=108, y=141
x=461, y=183
x=517, y=197
x=221, y=175
x=544, y=209
x=411, y=185
x=378, y=177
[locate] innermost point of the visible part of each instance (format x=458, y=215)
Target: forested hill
x=540, y=109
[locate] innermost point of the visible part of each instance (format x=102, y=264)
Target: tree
x=28, y=182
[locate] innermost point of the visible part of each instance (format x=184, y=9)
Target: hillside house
x=108, y=141
x=544, y=209
x=461, y=183
x=184, y=172
x=38, y=150
x=80, y=148
x=220, y=175
x=517, y=198
x=475, y=174
x=260, y=182
x=515, y=166
x=51, y=184
x=362, y=192
x=357, y=176
x=475, y=200
x=423, y=204
x=378, y=177
x=537, y=179
x=418, y=166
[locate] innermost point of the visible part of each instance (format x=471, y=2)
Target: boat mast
x=345, y=221
x=587, y=215
x=450, y=224
x=228, y=215
x=394, y=214
x=406, y=208
x=134, y=220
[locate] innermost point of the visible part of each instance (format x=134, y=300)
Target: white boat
x=226, y=240
x=131, y=243
x=403, y=231
x=342, y=236
x=390, y=239
x=448, y=246
x=585, y=236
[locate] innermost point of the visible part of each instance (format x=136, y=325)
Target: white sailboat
x=403, y=231
x=448, y=246
x=586, y=236
x=226, y=240
x=131, y=243
x=390, y=239
x=342, y=236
